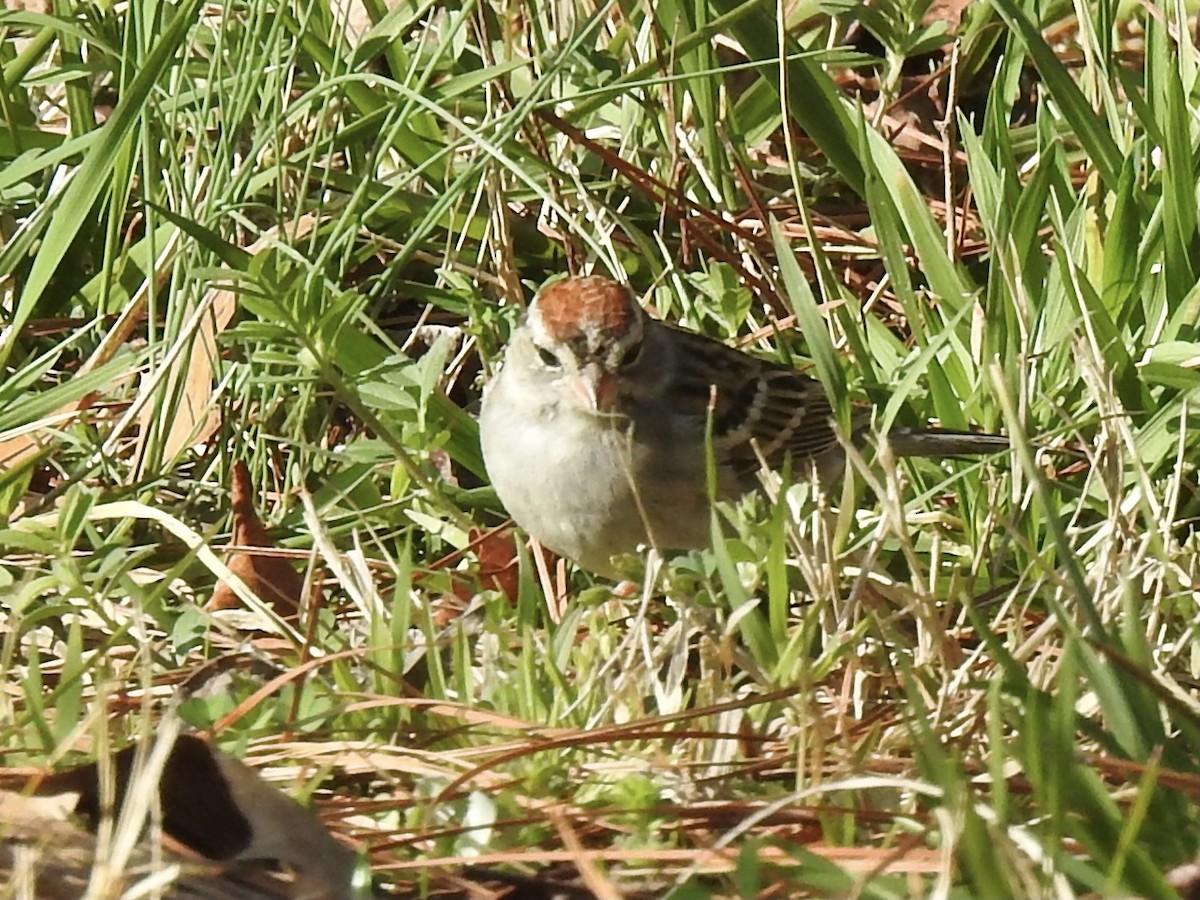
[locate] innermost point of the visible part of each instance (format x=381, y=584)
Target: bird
x=598, y=428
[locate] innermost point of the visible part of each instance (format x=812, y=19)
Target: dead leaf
x=195, y=418
x=191, y=378
x=212, y=805
x=948, y=11
x=271, y=577
x=497, y=553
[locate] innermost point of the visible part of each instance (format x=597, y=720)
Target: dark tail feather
x=940, y=442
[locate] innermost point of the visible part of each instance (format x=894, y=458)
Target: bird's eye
x=549, y=360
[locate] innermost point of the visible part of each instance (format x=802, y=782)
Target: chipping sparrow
x=594, y=431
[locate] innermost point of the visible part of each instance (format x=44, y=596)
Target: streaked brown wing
x=755, y=403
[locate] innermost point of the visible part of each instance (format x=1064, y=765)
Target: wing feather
x=758, y=407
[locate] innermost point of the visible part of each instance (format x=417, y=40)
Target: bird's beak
x=596, y=387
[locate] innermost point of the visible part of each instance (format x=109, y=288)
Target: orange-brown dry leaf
x=197, y=417
x=948, y=11
x=271, y=577
x=497, y=552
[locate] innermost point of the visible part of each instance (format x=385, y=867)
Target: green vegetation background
x=260, y=232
